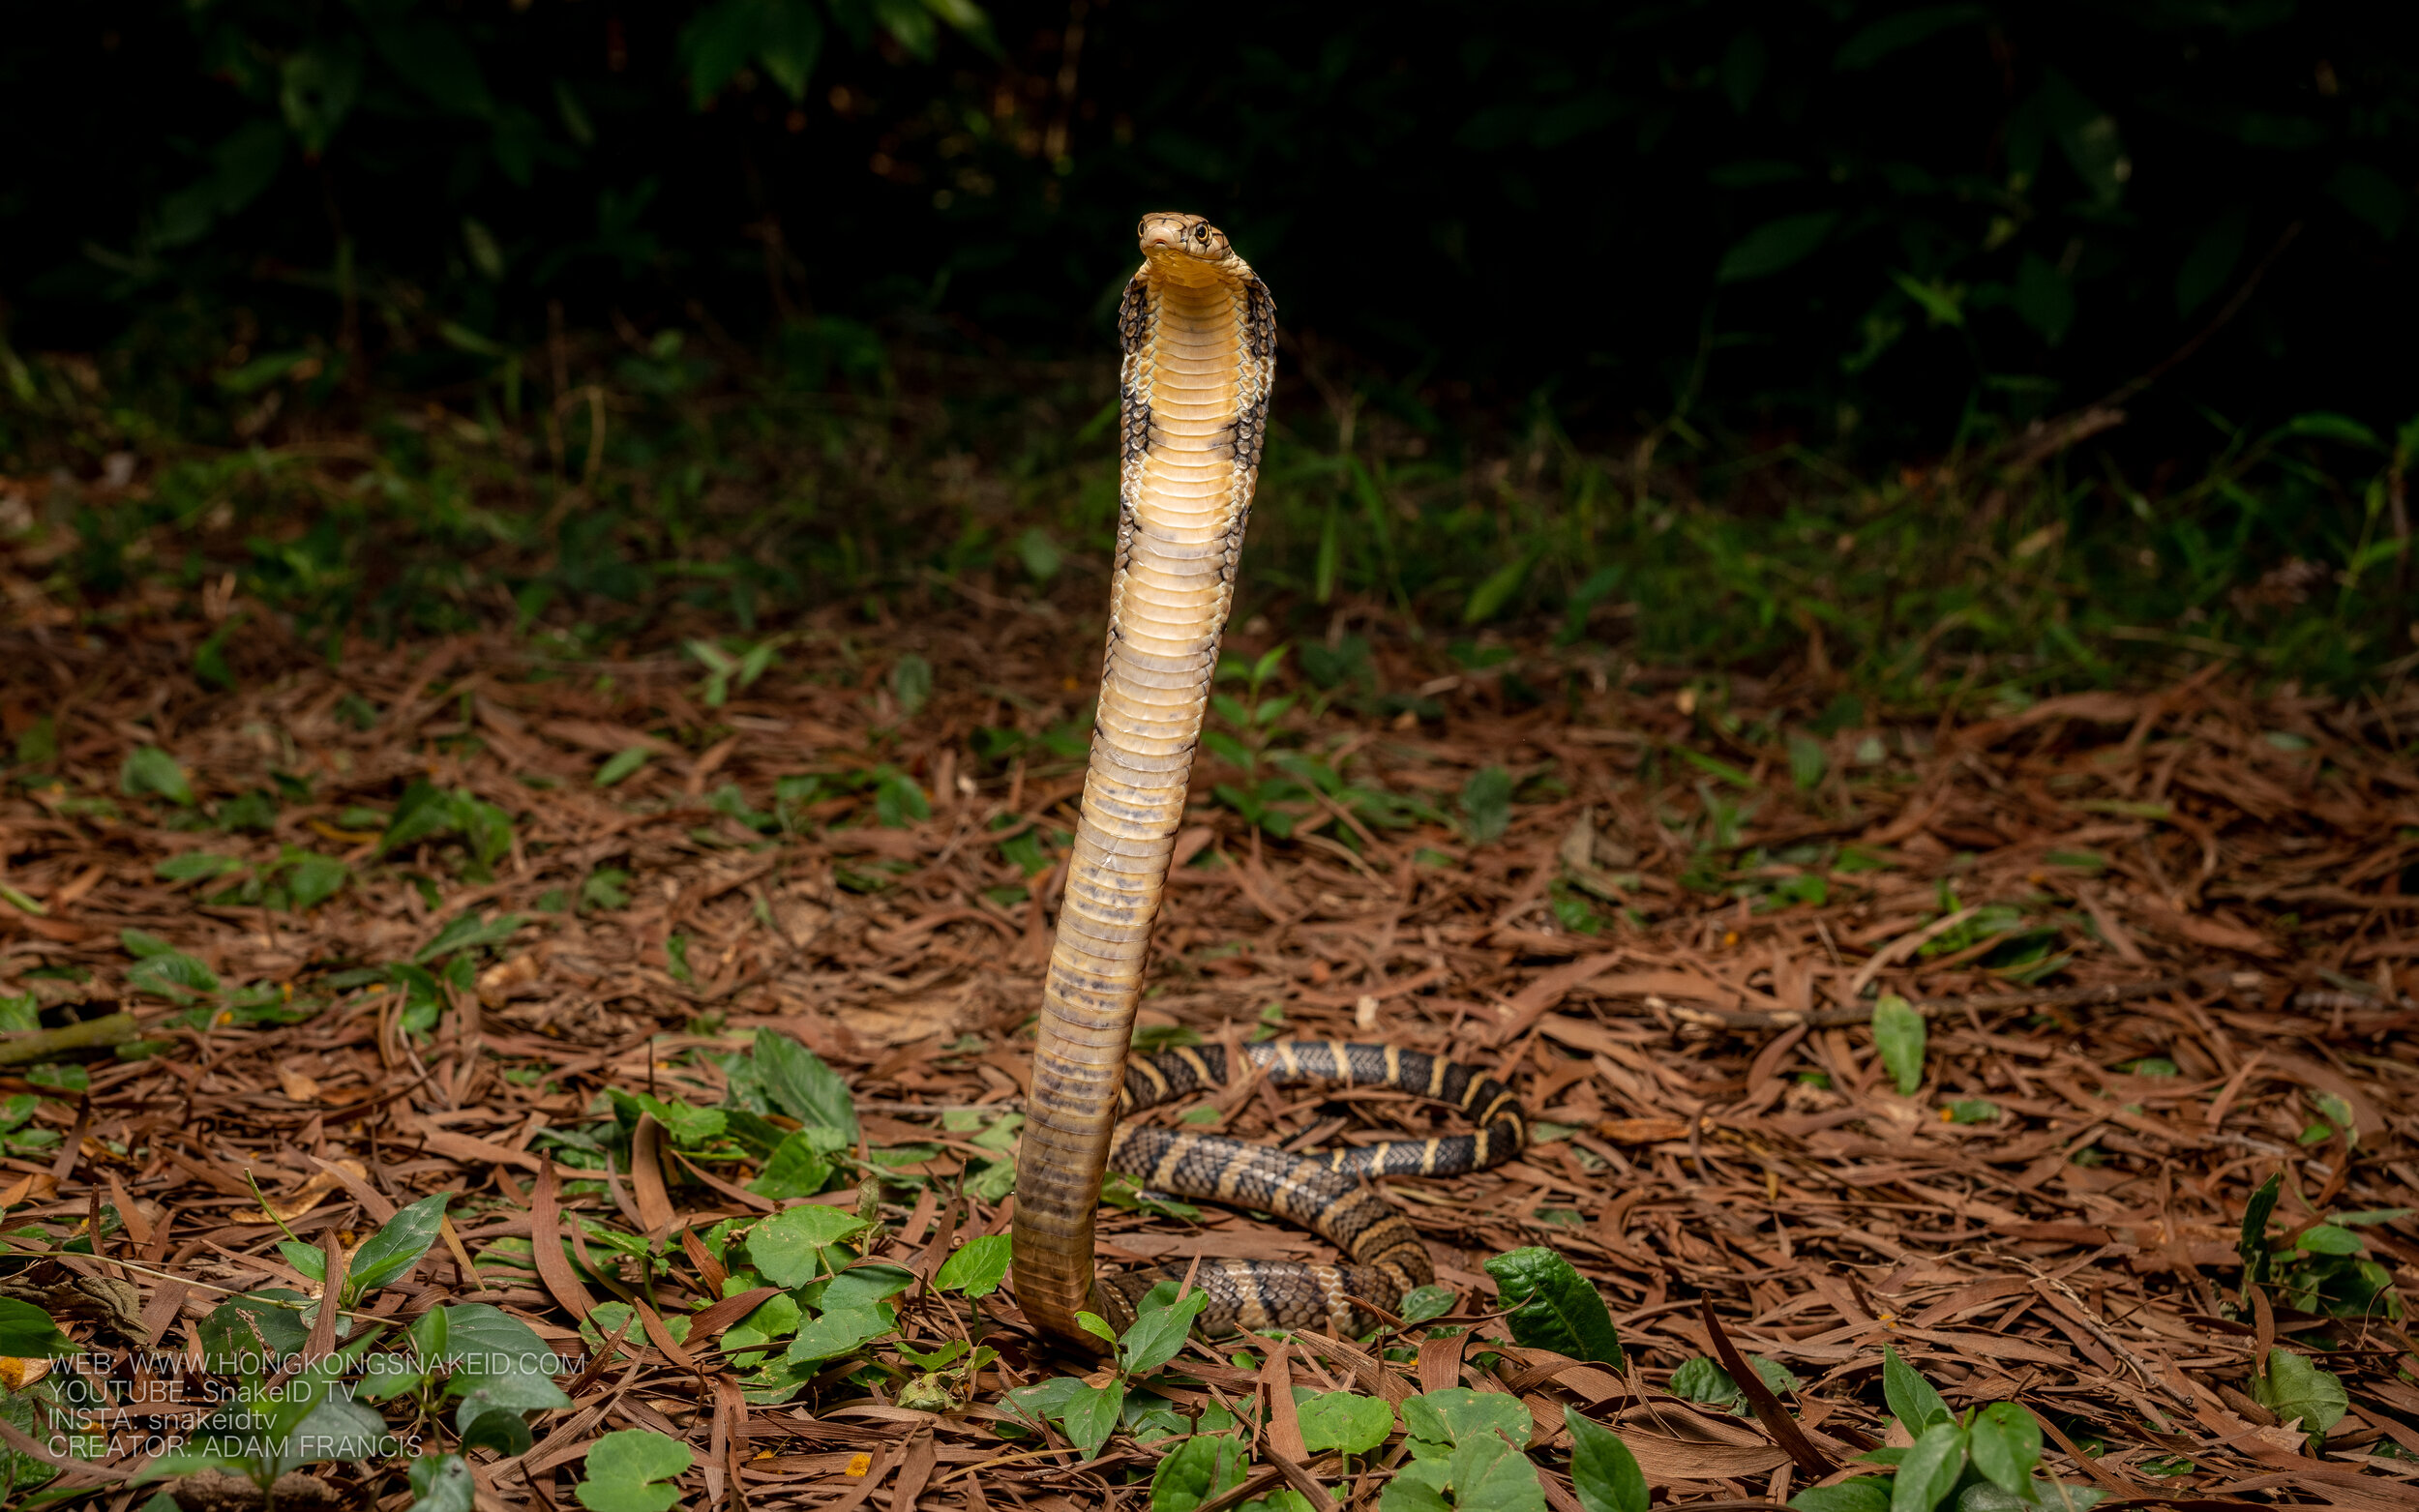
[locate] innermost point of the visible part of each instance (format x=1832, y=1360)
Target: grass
x=660, y=482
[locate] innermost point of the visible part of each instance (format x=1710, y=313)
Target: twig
x=41, y=1045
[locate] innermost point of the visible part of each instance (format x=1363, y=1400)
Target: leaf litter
x=1882, y=1071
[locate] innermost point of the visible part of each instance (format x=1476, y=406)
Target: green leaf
x=2005, y=1443
x=170, y=974
x=1488, y=598
x=1345, y=1421
x=2328, y=1239
x=1602, y=1470
x=1912, y=1400
x=423, y=811
x=1421, y=1303
x=2253, y=1245
x=977, y=1268
x=631, y=1470
x=1486, y=805
x=1439, y=1421
x=441, y=1483
x=802, y=1087
x=2292, y=1387
x=313, y=880
x=1895, y=33
x=1700, y=1379
x=791, y=1247
x=1159, y=1333
x=911, y=683
x=621, y=764
x=195, y=866
x=798, y=1168
x=150, y=771
x=1809, y=759
x=27, y=1332
x=1864, y=1493
x=1775, y=245
x=1898, y=1032
x=1092, y=1416
x=1930, y=1469
x=467, y=931
x=1553, y=1307
x=1488, y=1473
x=397, y=1245
x=1197, y=1470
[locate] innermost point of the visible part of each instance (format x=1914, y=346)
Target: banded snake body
x=1198, y=331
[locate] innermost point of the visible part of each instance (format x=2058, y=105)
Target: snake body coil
x=1198, y=330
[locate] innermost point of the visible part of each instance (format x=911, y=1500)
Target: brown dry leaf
x=297, y=1087
x=315, y=1188
x=1642, y=1131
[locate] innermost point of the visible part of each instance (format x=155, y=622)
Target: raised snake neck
x=1198, y=330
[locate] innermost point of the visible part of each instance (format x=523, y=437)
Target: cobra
x=1198, y=329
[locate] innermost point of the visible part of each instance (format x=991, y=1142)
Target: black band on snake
x=1199, y=333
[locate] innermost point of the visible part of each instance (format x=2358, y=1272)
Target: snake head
x=1170, y=233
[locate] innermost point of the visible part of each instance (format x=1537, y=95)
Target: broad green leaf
x=802, y=1087
x=1197, y=1470
x=1912, y=1400
x=151, y=771
x=859, y=1285
x=2005, y=1443
x=1930, y=1469
x=2292, y=1387
x=1553, y=1307
x=2328, y=1239
x=1486, y=805
x=1487, y=1473
x=1421, y=1303
x=839, y=1331
x=1441, y=1420
x=397, y=1245
x=467, y=931
x=170, y=974
x=1159, y=1333
x=195, y=866
x=797, y=1168
x=313, y=880
x=1808, y=760
x=1864, y=1493
x=1602, y=1470
x=632, y=1470
x=1900, y=1034
x=789, y=1248
x=977, y=1268
x=1345, y=1421
x=1904, y=29
x=27, y=1332
x=441, y=1483
x=1775, y=245
x=1700, y=1379
x=1092, y=1416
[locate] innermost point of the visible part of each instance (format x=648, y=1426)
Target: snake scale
x=1198, y=331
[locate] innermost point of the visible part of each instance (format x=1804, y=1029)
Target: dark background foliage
x=1873, y=222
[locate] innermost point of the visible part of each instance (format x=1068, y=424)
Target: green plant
x=2324, y=1267
x=1899, y=1033
x=1550, y=1306
x=274, y=1419
x=632, y=1470
x=1986, y=1460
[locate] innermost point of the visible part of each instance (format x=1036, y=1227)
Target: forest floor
x=396, y=926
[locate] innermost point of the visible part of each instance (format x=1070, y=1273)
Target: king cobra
x=1198, y=330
